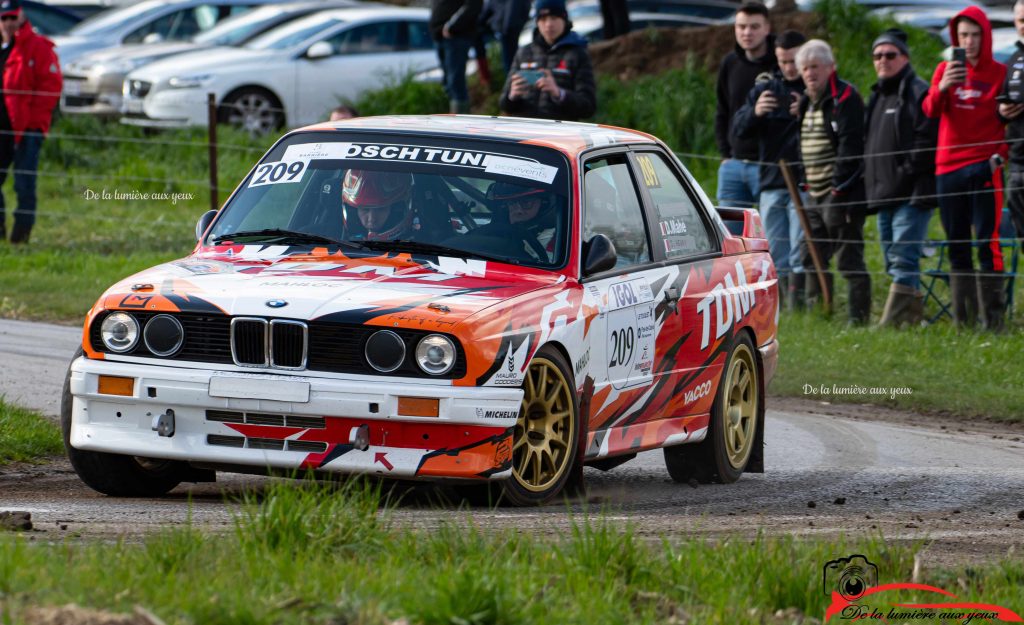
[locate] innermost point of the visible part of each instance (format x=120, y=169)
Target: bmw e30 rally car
x=445, y=297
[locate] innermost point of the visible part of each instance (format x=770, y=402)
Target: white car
x=147, y=22
x=93, y=83
x=291, y=76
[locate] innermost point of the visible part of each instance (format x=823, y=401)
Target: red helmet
x=370, y=189
x=507, y=192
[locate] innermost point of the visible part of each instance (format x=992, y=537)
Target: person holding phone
x=552, y=77
x=971, y=147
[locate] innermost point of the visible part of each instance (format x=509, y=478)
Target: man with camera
x=765, y=118
x=899, y=172
x=971, y=148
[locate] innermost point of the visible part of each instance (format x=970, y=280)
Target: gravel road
x=830, y=470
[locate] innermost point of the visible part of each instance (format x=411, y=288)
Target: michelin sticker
x=631, y=330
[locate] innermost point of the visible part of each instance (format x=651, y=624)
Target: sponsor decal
x=672, y=226
x=650, y=174
x=697, y=392
x=731, y=301
x=631, y=333
x=135, y=301
x=582, y=364
x=483, y=413
x=279, y=172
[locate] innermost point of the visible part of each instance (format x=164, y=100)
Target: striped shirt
x=818, y=153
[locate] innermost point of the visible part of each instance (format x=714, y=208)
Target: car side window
x=612, y=207
x=679, y=227
x=419, y=36
x=368, y=38
x=178, y=25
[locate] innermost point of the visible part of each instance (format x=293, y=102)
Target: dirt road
x=829, y=470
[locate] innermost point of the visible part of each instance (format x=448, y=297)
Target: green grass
x=324, y=555
x=26, y=436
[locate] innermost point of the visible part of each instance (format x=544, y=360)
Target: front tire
x=254, y=110
x=724, y=454
x=546, y=438
x=113, y=474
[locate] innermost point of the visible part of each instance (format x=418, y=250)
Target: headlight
x=120, y=332
x=385, y=351
x=163, y=335
x=435, y=354
x=189, y=82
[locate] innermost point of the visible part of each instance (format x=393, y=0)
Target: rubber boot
x=458, y=107
x=813, y=290
x=903, y=306
x=992, y=297
x=964, y=296
x=19, y=233
x=796, y=298
x=858, y=303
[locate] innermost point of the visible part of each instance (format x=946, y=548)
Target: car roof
x=568, y=137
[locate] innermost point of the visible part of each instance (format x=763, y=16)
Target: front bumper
x=294, y=422
x=166, y=108
x=91, y=95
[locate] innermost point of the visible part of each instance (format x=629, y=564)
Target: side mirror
x=153, y=38
x=598, y=255
x=319, y=50
x=204, y=223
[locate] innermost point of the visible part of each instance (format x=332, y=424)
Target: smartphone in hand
x=531, y=76
x=960, y=56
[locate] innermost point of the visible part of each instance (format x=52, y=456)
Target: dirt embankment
x=656, y=51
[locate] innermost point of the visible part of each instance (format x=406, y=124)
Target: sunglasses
x=888, y=56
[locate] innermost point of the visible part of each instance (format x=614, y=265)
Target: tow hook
x=164, y=424
x=359, y=437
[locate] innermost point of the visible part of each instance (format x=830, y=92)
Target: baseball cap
x=9, y=6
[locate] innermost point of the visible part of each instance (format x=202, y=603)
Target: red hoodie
x=968, y=112
x=32, y=82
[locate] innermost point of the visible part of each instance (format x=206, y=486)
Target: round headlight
x=435, y=354
x=120, y=332
x=385, y=351
x=163, y=335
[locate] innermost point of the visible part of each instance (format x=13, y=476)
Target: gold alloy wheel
x=544, y=432
x=739, y=411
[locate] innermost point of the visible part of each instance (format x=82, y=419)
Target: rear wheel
x=546, y=437
x=732, y=430
x=254, y=110
x=113, y=474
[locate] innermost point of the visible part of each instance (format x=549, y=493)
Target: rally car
x=439, y=297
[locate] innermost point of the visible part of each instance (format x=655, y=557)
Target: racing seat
x=935, y=281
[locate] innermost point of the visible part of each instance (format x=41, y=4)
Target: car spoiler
x=745, y=224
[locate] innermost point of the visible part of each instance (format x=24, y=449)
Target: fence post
x=211, y=131
x=819, y=269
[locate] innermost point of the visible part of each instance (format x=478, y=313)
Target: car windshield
x=107, y=20
x=504, y=201
x=293, y=34
x=236, y=30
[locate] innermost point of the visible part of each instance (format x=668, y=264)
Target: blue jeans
x=782, y=227
x=902, y=231
x=738, y=183
x=453, y=54
x=25, y=156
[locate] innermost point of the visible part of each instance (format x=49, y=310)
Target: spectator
x=754, y=55
x=31, y=87
x=615, y=18
x=832, y=150
x=1011, y=110
x=343, y=112
x=453, y=25
x=766, y=118
x=899, y=172
x=506, y=19
x=565, y=89
x=970, y=150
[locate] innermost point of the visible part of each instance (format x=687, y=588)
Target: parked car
x=953, y=5
x=147, y=22
x=711, y=9
x=87, y=8
x=438, y=297
x=93, y=83
x=936, y=19
x=293, y=75
x=592, y=26
x=49, y=20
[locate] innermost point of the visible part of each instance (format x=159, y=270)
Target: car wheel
x=546, y=438
x=113, y=474
x=732, y=430
x=255, y=111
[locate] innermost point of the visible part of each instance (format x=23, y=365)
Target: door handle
x=672, y=299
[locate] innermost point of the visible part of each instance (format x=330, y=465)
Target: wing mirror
x=319, y=50
x=204, y=223
x=598, y=255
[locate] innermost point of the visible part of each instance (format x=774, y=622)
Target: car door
x=623, y=334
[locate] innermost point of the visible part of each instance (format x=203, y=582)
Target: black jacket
x=461, y=16
x=569, y=63
x=843, y=110
x=736, y=77
x=1014, y=88
x=777, y=134
x=506, y=17
x=911, y=171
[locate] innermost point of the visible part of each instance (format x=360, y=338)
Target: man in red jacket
x=970, y=151
x=31, y=88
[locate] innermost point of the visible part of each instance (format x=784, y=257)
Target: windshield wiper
x=435, y=248
x=276, y=234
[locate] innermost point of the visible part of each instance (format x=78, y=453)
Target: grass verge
x=26, y=436
x=319, y=554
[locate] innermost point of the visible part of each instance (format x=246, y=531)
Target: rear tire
x=725, y=452
x=114, y=474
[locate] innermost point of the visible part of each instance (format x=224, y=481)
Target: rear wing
x=745, y=224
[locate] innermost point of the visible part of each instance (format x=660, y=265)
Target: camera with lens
x=851, y=577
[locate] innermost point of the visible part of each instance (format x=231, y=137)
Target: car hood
x=203, y=62
x=428, y=292
x=71, y=48
x=140, y=52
